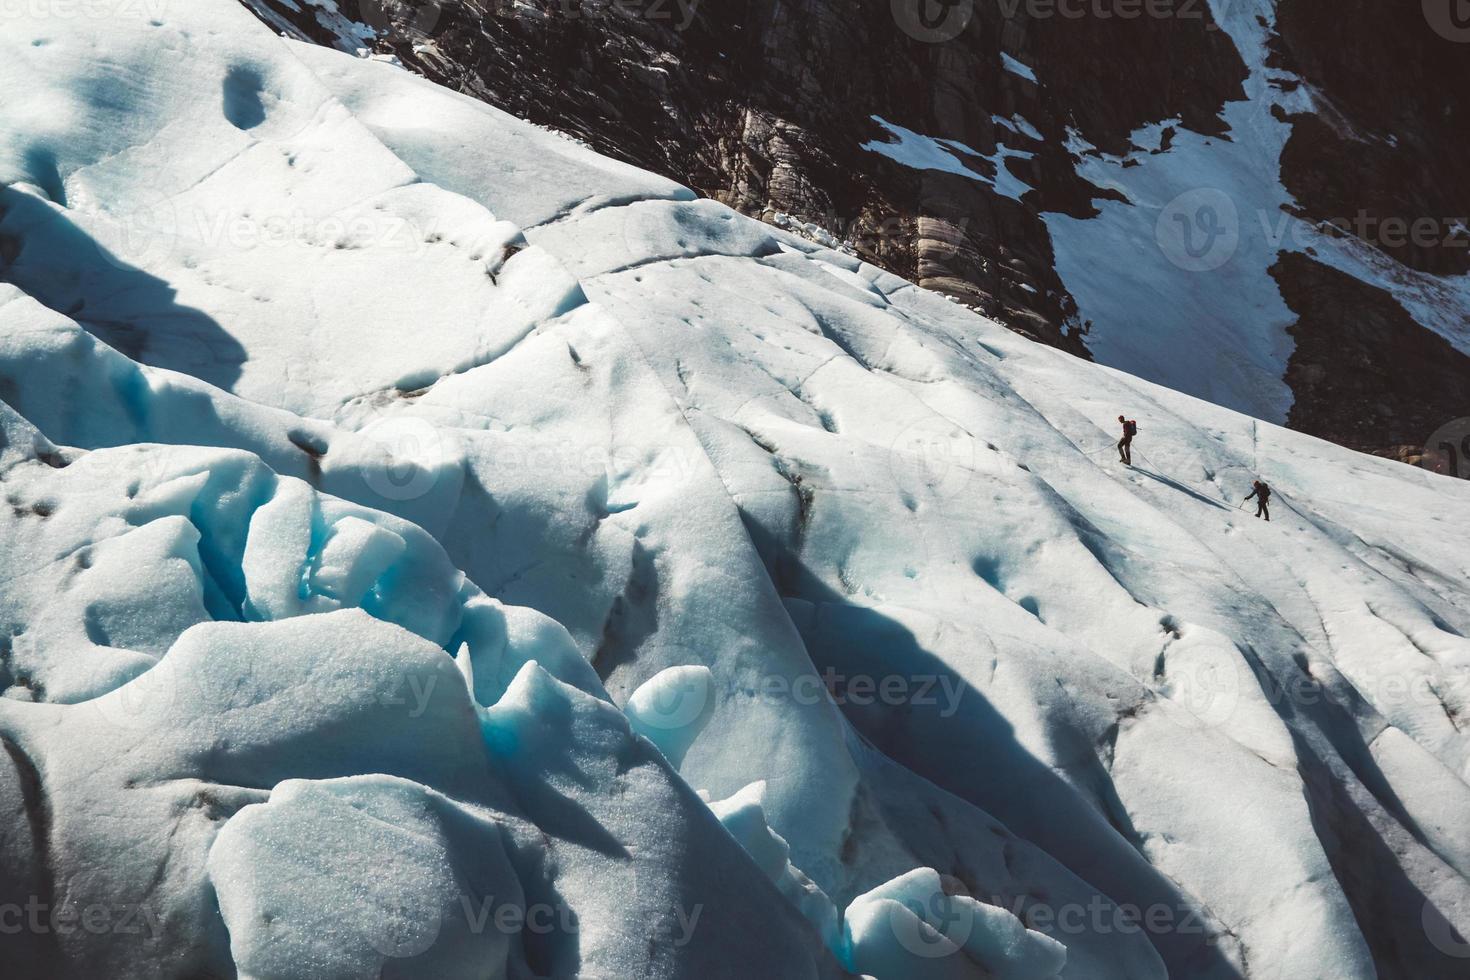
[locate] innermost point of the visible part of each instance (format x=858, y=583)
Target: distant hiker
x=1262, y=493
x=1125, y=444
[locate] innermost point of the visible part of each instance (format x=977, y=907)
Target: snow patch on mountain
x=1202, y=221
x=1196, y=224
x=1017, y=68
x=949, y=156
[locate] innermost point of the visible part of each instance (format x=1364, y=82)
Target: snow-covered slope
x=433, y=548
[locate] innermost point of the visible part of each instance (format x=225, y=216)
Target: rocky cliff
x=1261, y=207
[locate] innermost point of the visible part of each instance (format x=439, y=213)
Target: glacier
x=431, y=548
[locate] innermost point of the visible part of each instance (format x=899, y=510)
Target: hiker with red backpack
x=1262, y=493
x=1125, y=444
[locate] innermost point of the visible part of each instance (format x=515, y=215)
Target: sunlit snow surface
x=410, y=441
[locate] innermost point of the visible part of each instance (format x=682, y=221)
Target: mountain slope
x=408, y=439
x=1164, y=186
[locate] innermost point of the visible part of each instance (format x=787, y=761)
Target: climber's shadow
x=1176, y=485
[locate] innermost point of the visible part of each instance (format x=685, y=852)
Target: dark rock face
x=1347, y=391
x=1384, y=158
x=767, y=105
x=1392, y=148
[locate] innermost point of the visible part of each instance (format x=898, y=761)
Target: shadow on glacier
x=524, y=552
x=1388, y=907
x=559, y=815
x=52, y=259
x=1176, y=485
x=969, y=748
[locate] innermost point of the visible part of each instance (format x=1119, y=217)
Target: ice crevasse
x=308, y=783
